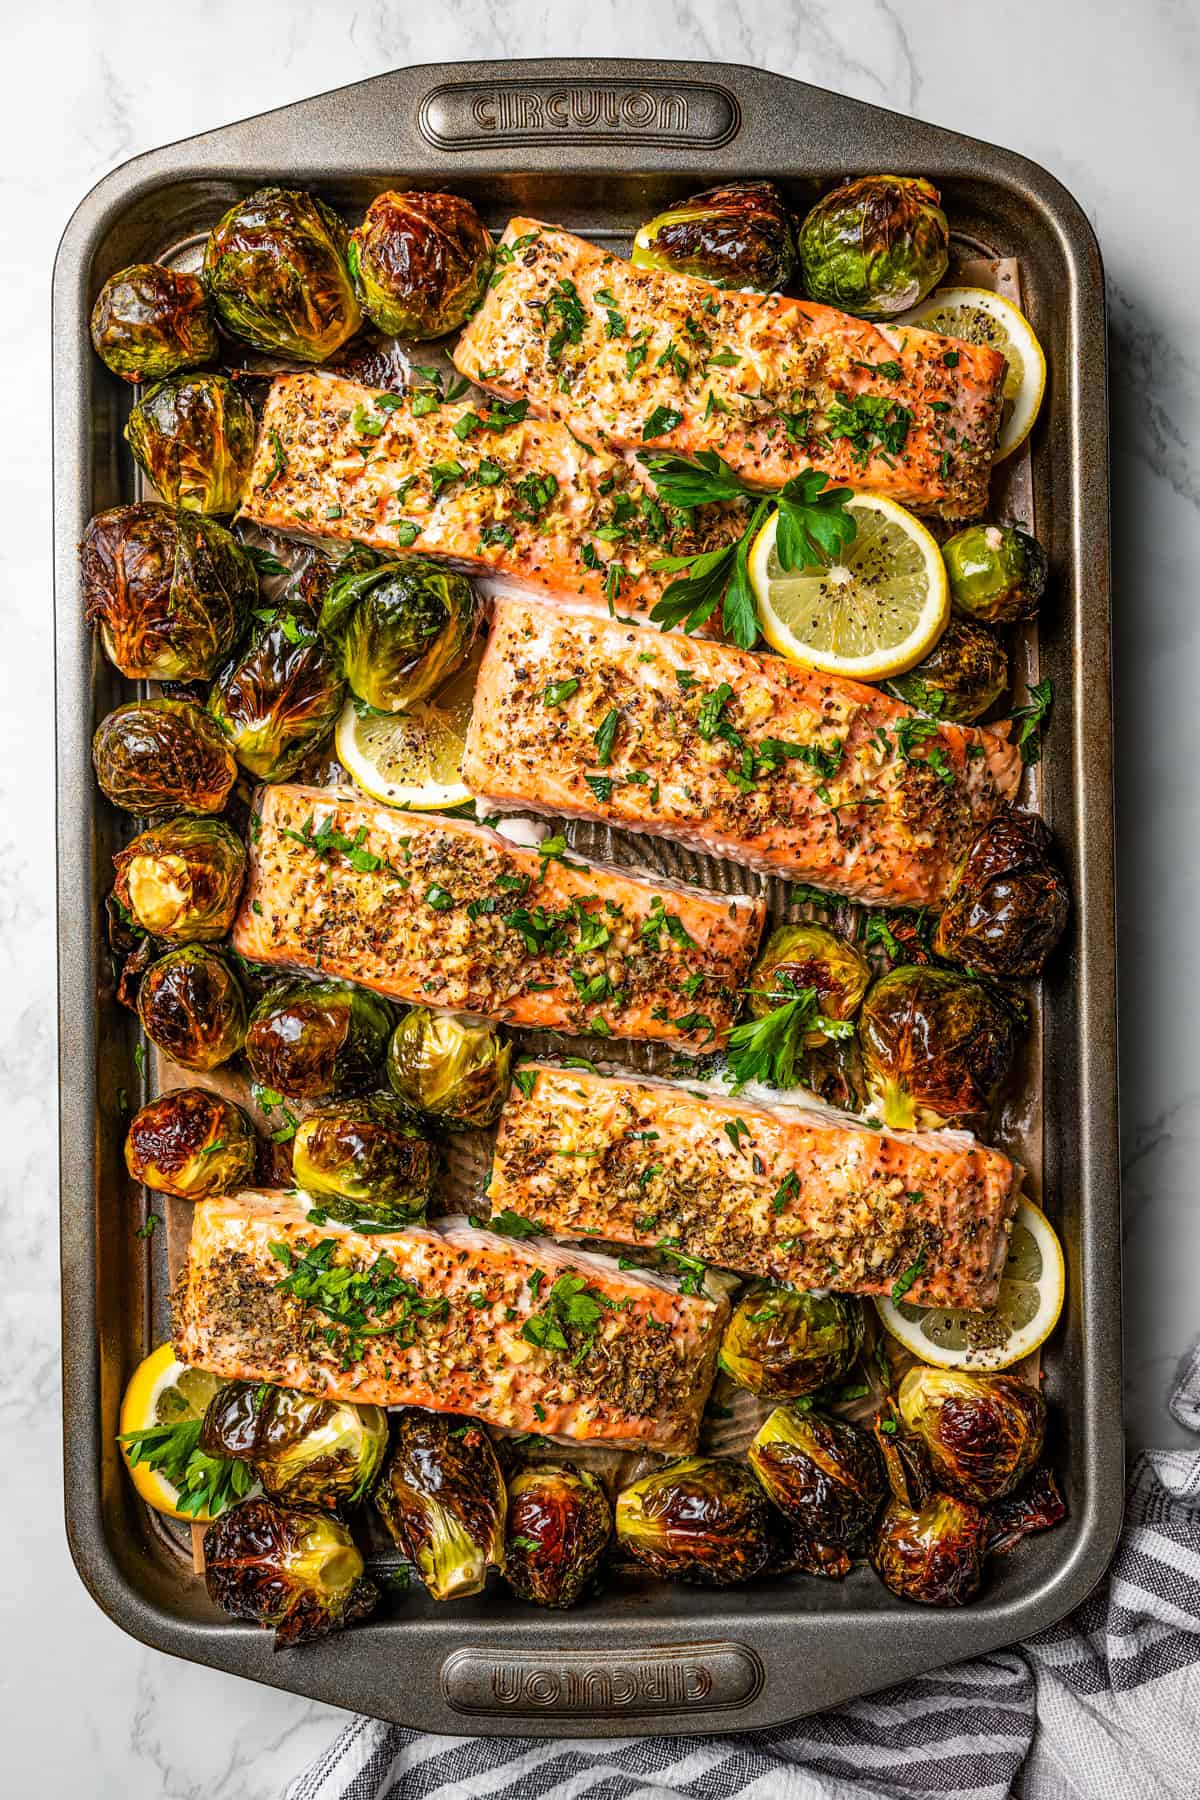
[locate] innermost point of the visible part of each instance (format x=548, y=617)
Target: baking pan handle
x=584, y=1687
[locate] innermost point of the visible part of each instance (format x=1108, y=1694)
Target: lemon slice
x=1031, y=1298
x=870, y=616
x=163, y=1391
x=982, y=317
x=412, y=759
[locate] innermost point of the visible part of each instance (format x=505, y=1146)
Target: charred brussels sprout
x=796, y=1552
x=559, y=1524
x=982, y=1432
x=303, y=1450
x=997, y=573
x=160, y=756
x=1035, y=1505
x=190, y=1143
x=808, y=956
x=875, y=246
x=279, y=698
x=170, y=592
x=275, y=269
x=309, y=1039
x=365, y=1159
x=182, y=879
x=150, y=322
x=292, y=1569
x=964, y=674
x=821, y=1471
x=454, y=1070
x=1008, y=903
x=193, y=436
x=192, y=1008
x=932, y=1554
x=420, y=263
x=704, y=1519
x=936, y=1046
x=402, y=630
x=442, y=1498
x=782, y=1344
x=737, y=236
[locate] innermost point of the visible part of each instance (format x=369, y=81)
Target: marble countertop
x=1106, y=96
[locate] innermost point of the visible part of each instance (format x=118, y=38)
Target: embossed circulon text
x=461, y=115
x=602, y=1683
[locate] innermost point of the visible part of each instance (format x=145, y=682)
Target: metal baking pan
x=599, y=146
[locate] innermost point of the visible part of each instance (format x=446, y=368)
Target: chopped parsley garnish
x=1034, y=718
x=903, y=1282
x=869, y=423
x=555, y=692
x=569, y=1320
x=606, y=737
x=567, y=308
x=662, y=420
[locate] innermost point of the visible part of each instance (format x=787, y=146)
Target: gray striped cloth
x=1104, y=1706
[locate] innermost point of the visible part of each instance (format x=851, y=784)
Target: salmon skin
x=748, y=757
x=635, y=357
x=447, y=1317
x=444, y=913
x=809, y=1198
x=490, y=490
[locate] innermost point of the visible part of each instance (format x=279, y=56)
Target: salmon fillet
x=631, y=357
x=802, y=1197
x=448, y=914
x=452, y=1318
x=748, y=757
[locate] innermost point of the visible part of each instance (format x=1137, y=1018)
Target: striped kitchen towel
x=1103, y=1706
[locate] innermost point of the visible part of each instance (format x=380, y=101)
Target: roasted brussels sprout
x=182, y=879
x=997, y=573
x=736, y=236
x=808, y=956
x=1008, y=903
x=796, y=1552
x=304, y=1450
x=292, y=1569
x=313, y=1038
x=193, y=436
x=161, y=756
x=964, y=674
x=932, y=1554
x=1035, y=1505
x=170, y=592
x=442, y=1497
x=703, y=1519
x=190, y=1143
x=150, y=322
x=402, y=629
x=455, y=1070
x=192, y=1008
x=982, y=1432
x=781, y=1344
x=821, y=1471
x=275, y=269
x=559, y=1524
x=365, y=1159
x=420, y=263
x=875, y=246
x=936, y=1046
x=279, y=698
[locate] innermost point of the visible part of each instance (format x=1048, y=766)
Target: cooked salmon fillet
x=636, y=357
x=749, y=757
x=448, y=914
x=492, y=491
x=451, y=1317
x=803, y=1197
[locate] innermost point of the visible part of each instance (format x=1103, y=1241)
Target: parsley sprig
x=569, y=1320
x=767, y=1049
x=208, y=1484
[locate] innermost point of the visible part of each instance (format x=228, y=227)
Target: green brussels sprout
x=365, y=1159
x=964, y=674
x=703, y=1519
x=808, y=956
x=997, y=573
x=292, y=1569
x=736, y=236
x=402, y=629
x=190, y=1143
x=983, y=1433
x=443, y=1499
x=193, y=438
x=455, y=1070
x=782, y=1344
x=191, y=1007
x=559, y=1524
x=182, y=880
x=160, y=756
x=304, y=1450
x=150, y=321
x=310, y=1039
x=275, y=269
x=278, y=698
x=875, y=246
x=932, y=1554
x=821, y=1471
x=936, y=1047
x=420, y=263
x=1007, y=904
x=170, y=592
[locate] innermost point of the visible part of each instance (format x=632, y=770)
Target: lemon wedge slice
x=412, y=759
x=982, y=317
x=163, y=1391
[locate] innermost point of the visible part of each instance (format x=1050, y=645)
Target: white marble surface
x=1102, y=92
